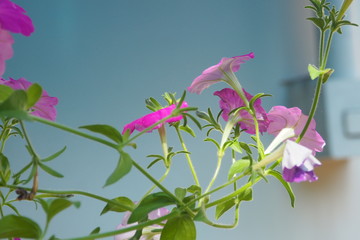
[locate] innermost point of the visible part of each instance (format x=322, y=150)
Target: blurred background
x=102, y=59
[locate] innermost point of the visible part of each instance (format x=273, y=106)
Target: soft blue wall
x=103, y=58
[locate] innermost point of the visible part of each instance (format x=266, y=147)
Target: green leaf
x=179, y=228
x=150, y=203
x=327, y=74
x=5, y=171
x=50, y=171
x=95, y=231
x=5, y=92
x=180, y=193
x=213, y=141
x=236, y=146
x=224, y=207
x=246, y=147
x=116, y=207
x=55, y=155
x=33, y=95
x=238, y=167
x=314, y=72
x=287, y=185
x=105, y=130
x=18, y=226
x=15, y=106
x=194, y=189
x=123, y=167
x=317, y=22
x=188, y=130
x=56, y=206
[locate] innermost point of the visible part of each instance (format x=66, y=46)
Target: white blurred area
x=103, y=58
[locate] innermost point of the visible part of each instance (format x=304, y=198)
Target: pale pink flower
x=150, y=119
x=44, y=108
x=281, y=117
x=6, y=51
x=230, y=100
x=298, y=163
x=147, y=233
x=13, y=18
x=223, y=71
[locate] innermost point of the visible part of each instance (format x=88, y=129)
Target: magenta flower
x=6, y=51
x=281, y=117
x=223, y=71
x=298, y=163
x=44, y=108
x=147, y=232
x=230, y=100
x=13, y=18
x=150, y=119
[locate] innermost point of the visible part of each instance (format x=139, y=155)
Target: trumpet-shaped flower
x=223, y=71
x=230, y=100
x=44, y=108
x=6, y=51
x=148, y=232
x=298, y=163
x=281, y=117
x=13, y=18
x=150, y=119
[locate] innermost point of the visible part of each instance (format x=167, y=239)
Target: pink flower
x=223, y=71
x=13, y=18
x=230, y=100
x=147, y=232
x=150, y=119
x=44, y=108
x=298, y=163
x=281, y=117
x=6, y=51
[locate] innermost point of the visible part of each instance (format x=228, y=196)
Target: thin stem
x=188, y=158
x=160, y=181
x=164, y=145
x=220, y=156
x=75, y=131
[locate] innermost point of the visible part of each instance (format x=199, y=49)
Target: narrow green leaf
x=105, y=130
x=33, y=95
x=5, y=171
x=179, y=228
x=317, y=22
x=124, y=201
x=150, y=203
x=12, y=226
x=95, y=231
x=236, y=146
x=238, y=167
x=55, y=155
x=213, y=141
x=13, y=208
x=287, y=185
x=50, y=171
x=246, y=147
x=188, y=130
x=123, y=167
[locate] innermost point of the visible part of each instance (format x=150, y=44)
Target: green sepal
x=150, y=203
x=179, y=228
x=116, y=208
x=180, y=193
x=34, y=93
x=5, y=92
x=15, y=106
x=106, y=130
x=327, y=74
x=122, y=168
x=287, y=185
x=12, y=226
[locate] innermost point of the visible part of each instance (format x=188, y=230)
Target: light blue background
x=103, y=58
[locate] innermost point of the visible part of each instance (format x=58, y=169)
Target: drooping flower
x=150, y=119
x=44, y=107
x=13, y=18
x=298, y=163
x=223, y=71
x=148, y=232
x=230, y=100
x=281, y=117
x=6, y=51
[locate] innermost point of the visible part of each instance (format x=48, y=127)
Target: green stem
x=154, y=186
x=74, y=131
x=220, y=156
x=188, y=158
x=74, y=192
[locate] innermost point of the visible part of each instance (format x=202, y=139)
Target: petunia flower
x=223, y=71
x=281, y=117
x=13, y=18
x=230, y=100
x=150, y=119
x=298, y=163
x=44, y=107
x=6, y=51
x=148, y=232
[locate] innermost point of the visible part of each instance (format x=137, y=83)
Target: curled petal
x=219, y=72
x=230, y=100
x=13, y=18
x=150, y=119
